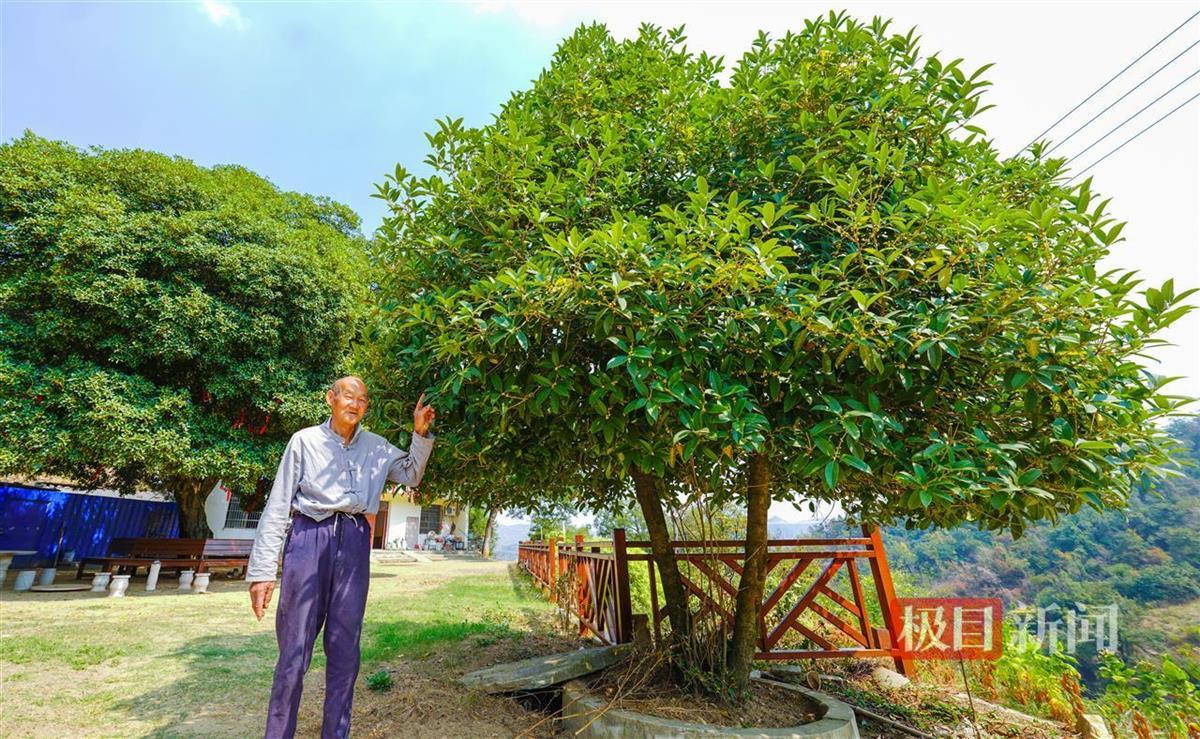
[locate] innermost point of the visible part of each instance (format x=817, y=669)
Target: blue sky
x=319, y=98
x=326, y=98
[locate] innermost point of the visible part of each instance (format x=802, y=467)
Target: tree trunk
x=190, y=496
x=489, y=531
x=649, y=495
x=753, y=580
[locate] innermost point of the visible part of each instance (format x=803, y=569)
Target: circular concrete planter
x=47, y=576
x=185, y=579
x=580, y=706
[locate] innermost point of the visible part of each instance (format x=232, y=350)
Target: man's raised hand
x=423, y=416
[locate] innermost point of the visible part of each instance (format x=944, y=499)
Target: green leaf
x=1173, y=671
x=934, y=352
x=856, y=463
x=832, y=471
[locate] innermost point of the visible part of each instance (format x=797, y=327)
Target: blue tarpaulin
x=55, y=522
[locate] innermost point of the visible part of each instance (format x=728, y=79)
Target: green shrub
x=380, y=681
x=1164, y=694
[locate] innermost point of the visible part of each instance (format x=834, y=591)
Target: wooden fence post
x=581, y=584
x=886, y=593
x=552, y=567
x=621, y=573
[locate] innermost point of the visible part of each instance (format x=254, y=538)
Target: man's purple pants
x=326, y=571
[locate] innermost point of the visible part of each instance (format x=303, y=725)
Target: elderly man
x=330, y=477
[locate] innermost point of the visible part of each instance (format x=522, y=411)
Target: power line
x=1135, y=115
x=1130, y=139
x=1110, y=81
x=1127, y=93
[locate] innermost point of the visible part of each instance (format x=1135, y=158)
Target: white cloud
x=223, y=12
x=544, y=16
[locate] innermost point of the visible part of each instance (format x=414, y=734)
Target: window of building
x=431, y=518
x=236, y=518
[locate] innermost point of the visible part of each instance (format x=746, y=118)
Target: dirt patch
x=427, y=699
x=644, y=685
x=924, y=707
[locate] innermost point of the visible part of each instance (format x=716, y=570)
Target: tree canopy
x=164, y=325
x=636, y=266
x=816, y=281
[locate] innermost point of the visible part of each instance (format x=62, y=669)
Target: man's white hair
x=338, y=382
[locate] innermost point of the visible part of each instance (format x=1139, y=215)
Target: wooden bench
x=225, y=553
x=171, y=554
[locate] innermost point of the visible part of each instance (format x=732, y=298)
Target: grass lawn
x=172, y=664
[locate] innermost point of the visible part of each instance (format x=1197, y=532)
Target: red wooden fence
x=830, y=614
x=596, y=574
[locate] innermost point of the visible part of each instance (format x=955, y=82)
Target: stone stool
x=100, y=581
x=152, y=576
x=200, y=582
x=120, y=583
x=24, y=579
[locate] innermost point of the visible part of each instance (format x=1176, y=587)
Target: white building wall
x=215, y=508
x=398, y=514
x=401, y=508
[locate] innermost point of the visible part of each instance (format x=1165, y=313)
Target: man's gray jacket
x=321, y=475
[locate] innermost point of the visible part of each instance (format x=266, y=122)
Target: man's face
x=348, y=401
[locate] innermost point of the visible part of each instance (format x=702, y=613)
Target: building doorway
x=380, y=529
x=412, y=531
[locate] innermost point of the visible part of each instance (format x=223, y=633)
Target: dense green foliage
x=163, y=325
x=635, y=266
x=1163, y=693
x=1155, y=692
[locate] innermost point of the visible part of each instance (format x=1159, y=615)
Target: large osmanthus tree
x=164, y=325
x=817, y=280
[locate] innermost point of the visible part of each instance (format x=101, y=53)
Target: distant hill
x=777, y=528
x=508, y=536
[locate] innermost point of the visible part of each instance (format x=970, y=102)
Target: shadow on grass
x=223, y=690
x=523, y=588
x=226, y=680
x=222, y=683
x=461, y=610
